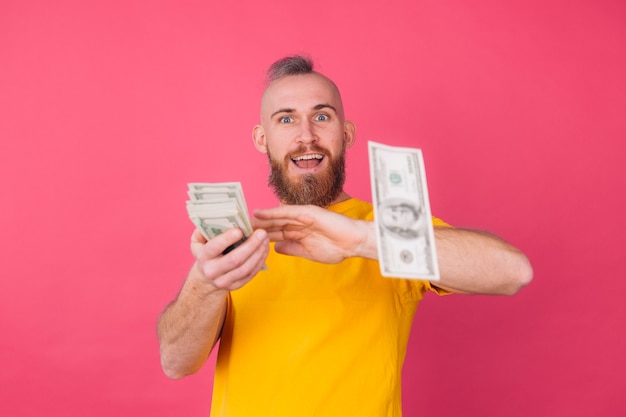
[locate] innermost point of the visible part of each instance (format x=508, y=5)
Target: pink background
x=108, y=109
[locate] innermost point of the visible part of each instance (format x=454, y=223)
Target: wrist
x=366, y=246
x=199, y=284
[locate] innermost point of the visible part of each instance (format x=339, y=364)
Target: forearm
x=469, y=261
x=479, y=263
x=190, y=326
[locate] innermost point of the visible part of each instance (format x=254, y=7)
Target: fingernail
x=261, y=234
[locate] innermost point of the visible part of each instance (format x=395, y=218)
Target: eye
x=322, y=117
x=285, y=119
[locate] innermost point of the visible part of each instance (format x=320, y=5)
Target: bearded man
x=320, y=332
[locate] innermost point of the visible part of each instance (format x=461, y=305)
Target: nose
x=307, y=133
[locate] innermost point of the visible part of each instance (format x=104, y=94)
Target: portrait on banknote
x=402, y=218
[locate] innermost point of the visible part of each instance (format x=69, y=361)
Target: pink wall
x=108, y=110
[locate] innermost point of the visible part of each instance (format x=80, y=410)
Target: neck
x=341, y=197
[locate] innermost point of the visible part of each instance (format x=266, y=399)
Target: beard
x=319, y=189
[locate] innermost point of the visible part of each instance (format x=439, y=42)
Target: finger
x=268, y=213
x=279, y=225
x=275, y=236
x=197, y=237
x=238, y=257
x=281, y=213
x=288, y=210
x=270, y=223
x=289, y=247
x=248, y=249
x=242, y=264
x=216, y=246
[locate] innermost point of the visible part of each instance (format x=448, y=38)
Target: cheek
x=275, y=154
x=338, y=137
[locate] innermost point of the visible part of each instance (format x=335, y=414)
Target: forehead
x=300, y=92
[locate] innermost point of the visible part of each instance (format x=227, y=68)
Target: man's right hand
x=190, y=326
x=234, y=269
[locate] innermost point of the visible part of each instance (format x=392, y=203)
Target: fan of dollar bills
x=216, y=207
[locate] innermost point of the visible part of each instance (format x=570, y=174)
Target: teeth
x=309, y=156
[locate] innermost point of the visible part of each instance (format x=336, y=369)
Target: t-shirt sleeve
x=437, y=222
x=433, y=287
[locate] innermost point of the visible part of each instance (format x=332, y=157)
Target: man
x=321, y=333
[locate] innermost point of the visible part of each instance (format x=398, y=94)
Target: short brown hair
x=290, y=65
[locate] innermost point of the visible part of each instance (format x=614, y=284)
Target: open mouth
x=310, y=160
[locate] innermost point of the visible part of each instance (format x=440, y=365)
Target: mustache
x=308, y=148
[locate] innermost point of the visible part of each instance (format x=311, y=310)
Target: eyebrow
x=317, y=107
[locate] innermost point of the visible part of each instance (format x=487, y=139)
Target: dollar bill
x=216, y=207
x=404, y=228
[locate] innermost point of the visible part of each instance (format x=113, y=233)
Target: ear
x=349, y=133
x=258, y=137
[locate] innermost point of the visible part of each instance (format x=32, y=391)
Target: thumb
x=289, y=247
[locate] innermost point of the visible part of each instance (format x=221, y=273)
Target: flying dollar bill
x=404, y=228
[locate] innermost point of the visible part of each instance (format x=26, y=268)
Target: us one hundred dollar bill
x=404, y=228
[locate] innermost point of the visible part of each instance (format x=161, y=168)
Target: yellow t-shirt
x=310, y=339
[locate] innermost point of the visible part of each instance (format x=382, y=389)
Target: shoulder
x=354, y=208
